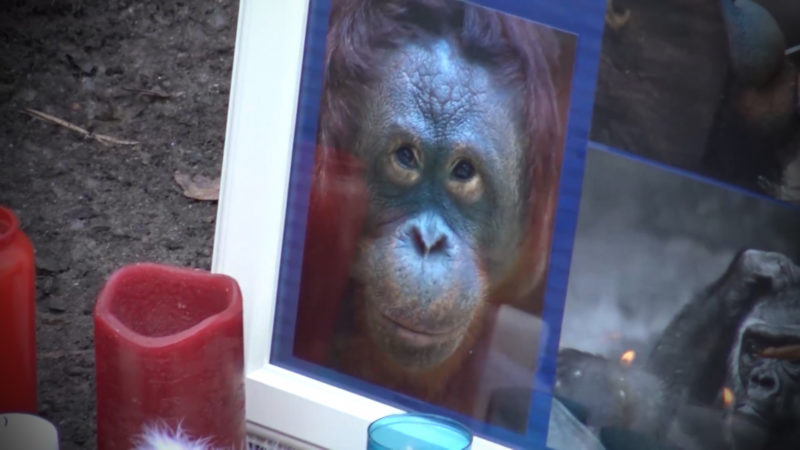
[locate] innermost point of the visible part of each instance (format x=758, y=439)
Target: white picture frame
x=255, y=187
x=247, y=246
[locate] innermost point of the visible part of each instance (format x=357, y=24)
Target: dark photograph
x=438, y=156
x=682, y=319
x=707, y=86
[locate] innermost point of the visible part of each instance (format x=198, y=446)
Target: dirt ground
x=89, y=208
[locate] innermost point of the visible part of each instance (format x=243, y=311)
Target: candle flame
x=627, y=357
x=727, y=397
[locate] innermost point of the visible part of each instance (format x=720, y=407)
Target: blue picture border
x=583, y=18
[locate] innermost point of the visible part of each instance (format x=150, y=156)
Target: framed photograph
x=399, y=199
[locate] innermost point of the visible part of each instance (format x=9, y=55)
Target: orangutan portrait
x=433, y=195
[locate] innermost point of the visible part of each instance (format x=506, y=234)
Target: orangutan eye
x=463, y=170
x=404, y=165
x=406, y=157
x=465, y=182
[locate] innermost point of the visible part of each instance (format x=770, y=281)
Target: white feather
x=163, y=438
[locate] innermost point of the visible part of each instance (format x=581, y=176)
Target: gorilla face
x=766, y=369
x=770, y=385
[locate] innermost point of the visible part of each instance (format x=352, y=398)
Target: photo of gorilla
x=433, y=195
x=672, y=400
x=685, y=341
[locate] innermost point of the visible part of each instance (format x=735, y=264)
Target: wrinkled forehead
x=438, y=78
x=428, y=87
x=782, y=308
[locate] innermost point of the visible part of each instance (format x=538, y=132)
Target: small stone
x=45, y=285
x=99, y=225
x=92, y=183
x=77, y=224
x=56, y=304
x=115, y=70
x=217, y=20
x=173, y=244
x=73, y=370
x=82, y=212
x=50, y=262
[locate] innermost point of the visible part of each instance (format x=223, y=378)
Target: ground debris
x=198, y=187
x=57, y=305
x=154, y=93
x=101, y=138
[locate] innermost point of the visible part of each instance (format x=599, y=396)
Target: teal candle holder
x=414, y=431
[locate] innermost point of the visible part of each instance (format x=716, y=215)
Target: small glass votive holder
x=26, y=431
x=416, y=431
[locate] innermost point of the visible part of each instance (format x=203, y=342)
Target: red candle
x=169, y=353
x=17, y=318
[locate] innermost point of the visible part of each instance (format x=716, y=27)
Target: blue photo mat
x=584, y=18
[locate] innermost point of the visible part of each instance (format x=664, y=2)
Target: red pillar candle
x=169, y=353
x=17, y=318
